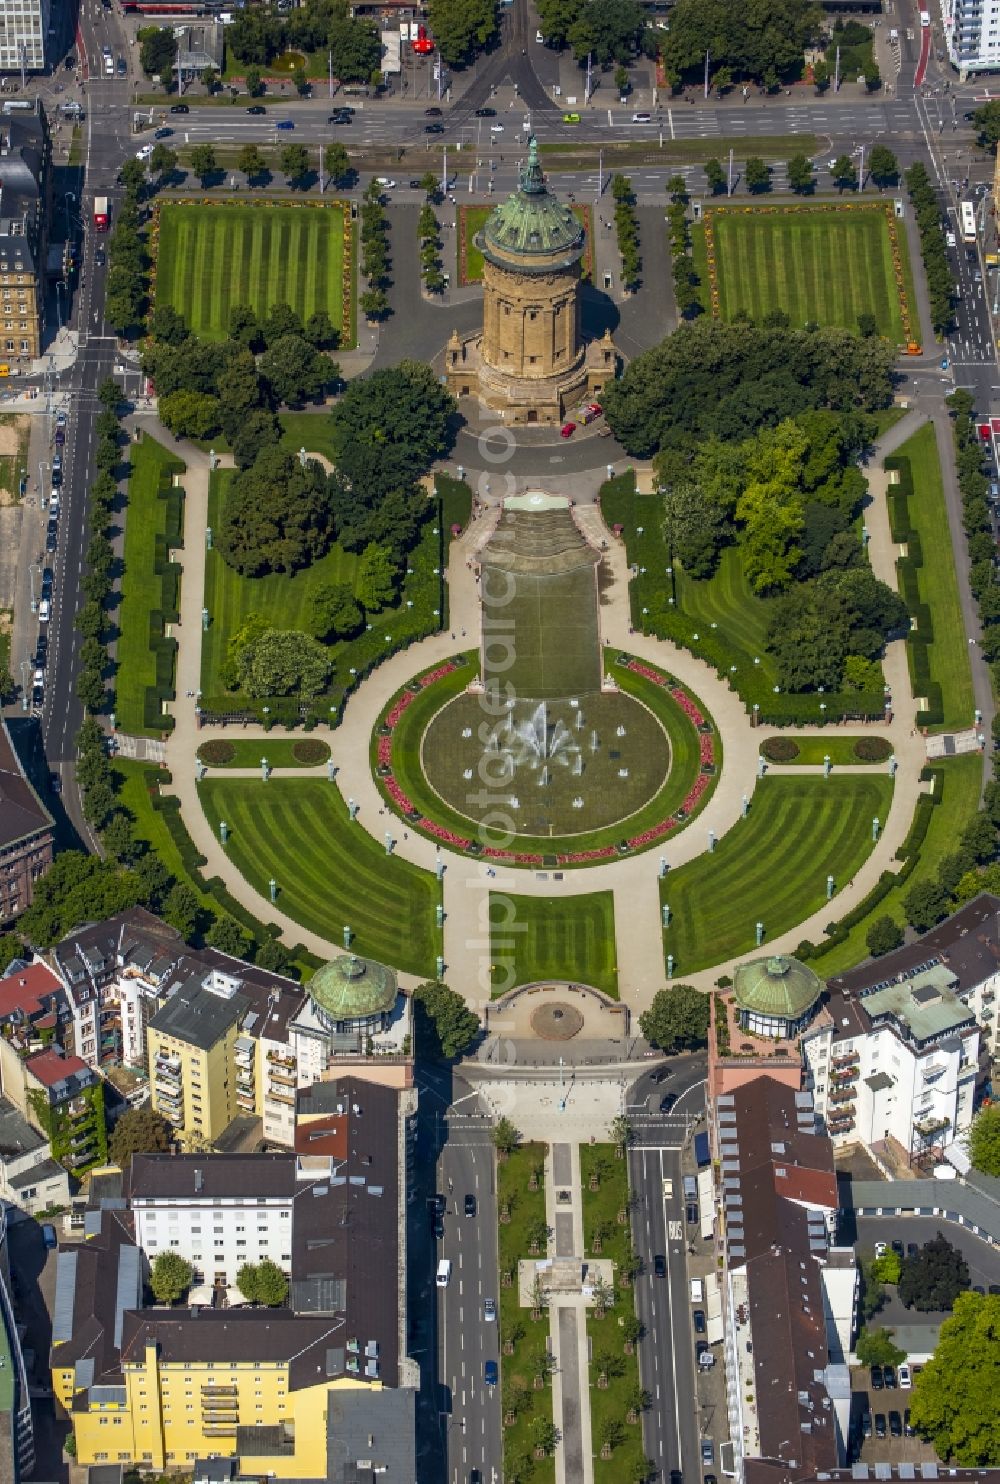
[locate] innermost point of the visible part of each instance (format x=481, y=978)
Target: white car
x=144, y=153
x=490, y=1310
x=904, y=1377
x=880, y=1249
x=496, y=128
x=44, y=611
x=53, y=503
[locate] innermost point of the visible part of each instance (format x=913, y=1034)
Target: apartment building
x=24, y=30
x=29, y=1177
x=25, y=209
x=34, y=1009
x=314, y=1391
x=972, y=35
x=61, y=1097
x=26, y=826
x=191, y=1044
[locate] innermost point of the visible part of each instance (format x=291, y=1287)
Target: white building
x=29, y=1177
x=221, y=1211
x=24, y=26
x=972, y=34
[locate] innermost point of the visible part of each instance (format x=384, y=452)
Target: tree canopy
x=170, y=1277
x=281, y=662
x=277, y=515
x=752, y=38
x=461, y=28
x=139, y=1131
x=77, y=888
x=984, y=1139
x=444, y=1025
x=954, y=1398
x=157, y=51
x=400, y=414
x=262, y=1283
x=876, y=1347
x=934, y=1277
x=677, y=1019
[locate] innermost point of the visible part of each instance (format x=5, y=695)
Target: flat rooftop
x=925, y=1004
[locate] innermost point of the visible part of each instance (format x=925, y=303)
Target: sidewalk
x=574, y=1459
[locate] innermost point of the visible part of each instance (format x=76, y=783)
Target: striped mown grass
x=212, y=257
x=330, y=873
x=823, y=265
x=772, y=866
x=537, y=938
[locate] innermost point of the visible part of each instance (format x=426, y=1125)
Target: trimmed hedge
x=872, y=749
x=780, y=750
x=168, y=573
x=921, y=635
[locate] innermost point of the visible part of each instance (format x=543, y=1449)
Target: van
x=690, y=1188
x=443, y=1272
x=18, y=105
x=641, y=118
x=385, y=182
x=697, y=1291
x=668, y=1190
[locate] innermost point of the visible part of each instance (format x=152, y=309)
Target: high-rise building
x=24, y=26
x=972, y=34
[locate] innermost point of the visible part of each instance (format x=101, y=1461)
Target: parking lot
x=880, y=1404
x=983, y=1260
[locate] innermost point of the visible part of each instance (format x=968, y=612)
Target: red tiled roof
x=23, y=991
x=50, y=1067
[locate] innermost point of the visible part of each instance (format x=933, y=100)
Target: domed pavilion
x=352, y=995
x=530, y=364
x=775, y=997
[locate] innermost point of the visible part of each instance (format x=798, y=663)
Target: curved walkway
x=467, y=887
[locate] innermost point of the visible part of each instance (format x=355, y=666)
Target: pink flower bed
x=577, y=857
x=448, y=836
x=385, y=751
x=397, y=796
x=686, y=704
x=653, y=675
x=406, y=699
x=518, y=857
x=700, y=785
x=705, y=750
x=438, y=674
x=655, y=832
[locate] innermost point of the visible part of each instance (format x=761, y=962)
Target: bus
x=968, y=221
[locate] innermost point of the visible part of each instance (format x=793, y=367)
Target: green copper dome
x=352, y=988
x=780, y=988
x=531, y=231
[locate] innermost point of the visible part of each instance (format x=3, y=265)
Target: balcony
x=212, y=1389
x=274, y=1096
x=842, y=1098
x=246, y=1102
x=845, y=1058
x=284, y=1076
x=281, y=1059
x=169, y=1061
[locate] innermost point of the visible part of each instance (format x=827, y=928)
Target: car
x=57, y=477
x=39, y=676
x=437, y=1225
x=908, y=1427
x=475, y=1477
x=433, y=113
x=179, y=108
x=59, y=437
x=879, y=1424
x=144, y=153
x=256, y=109
x=889, y=1377
x=46, y=582
x=490, y=1310
x=912, y=1249
x=692, y=1215
x=994, y=1288
x=866, y=1423
x=700, y=1348
x=37, y=695
x=470, y=1205
x=950, y=239
x=438, y=1203
x=660, y=1265
x=434, y=128
x=285, y=124
x=51, y=540
x=44, y=611
x=698, y=1315
x=707, y=1450
x=385, y=182
x=925, y=19
x=41, y=649
x=881, y=1248
x=571, y=118
x=486, y=113
x=100, y=258
x=416, y=185
x=55, y=783
x=875, y=1378
x=660, y=1076
x=567, y=430
x=163, y=133
x=905, y=1378
x=666, y=1103
x=122, y=67
x=341, y=118
x=641, y=118
x=895, y=1424
x=54, y=503
x=491, y=1372
x=897, y=1246
x=595, y=408
x=978, y=1288
x=496, y=128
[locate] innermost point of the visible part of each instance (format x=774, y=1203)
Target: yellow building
x=191, y=1043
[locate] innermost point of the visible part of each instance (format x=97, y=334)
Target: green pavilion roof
x=779, y=987
x=351, y=987
x=532, y=230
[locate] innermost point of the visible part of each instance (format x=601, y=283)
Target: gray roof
x=365, y=1424
x=198, y=1016
x=952, y=1200
x=40, y=1174
x=197, y=1177
x=968, y=942
x=17, y=1136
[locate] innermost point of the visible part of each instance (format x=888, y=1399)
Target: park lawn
x=554, y=938
x=727, y=602
x=817, y=264
x=887, y=417
x=963, y=777
x=832, y=744
x=139, y=782
x=14, y=465
x=600, y=1208
x=145, y=522
x=517, y=1371
x=684, y=763
x=937, y=581
x=562, y=155
x=472, y=219
x=279, y=751
x=772, y=866
x=330, y=873
x=211, y=257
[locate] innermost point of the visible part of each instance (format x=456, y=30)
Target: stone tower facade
x=530, y=364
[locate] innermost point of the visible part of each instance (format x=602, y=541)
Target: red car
x=567, y=430
x=596, y=408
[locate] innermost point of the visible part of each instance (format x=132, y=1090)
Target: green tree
x=295, y=371
x=984, y=1140
x=251, y=162
x=872, y=76
x=376, y=583
x=887, y=1268
x=876, y=1347
x=986, y=121
x=302, y=84
x=356, y=47
x=169, y=326
x=77, y=888
x=556, y=18
x=677, y=190
x=203, y=162
x=254, y=81
x=163, y=160
x=757, y=174
x=800, y=174
x=269, y=1284
x=873, y=1294
x=821, y=76
x=694, y=527
x=170, y=1277
x=445, y=1026
x=544, y=1436
x=228, y=936
x=925, y=904
x=157, y=52
x=715, y=177
x=622, y=1133
x=504, y=1137
x=133, y=178
x=209, y=80
x=677, y=1018
x=402, y=414
x=336, y=162
x=182, y=909
x=190, y=414
x=953, y=1401
x=883, y=166
x=608, y=31
x=257, y=431
x=139, y=1131
x=883, y=936
x=462, y=28
x=933, y=1278
x=276, y=516
x=334, y=612
x=295, y=162
x=283, y=662
x=374, y=304
x=844, y=172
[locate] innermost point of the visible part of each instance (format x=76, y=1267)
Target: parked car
x=881, y=1249
x=37, y=695
x=698, y=1315
x=490, y=1372
x=660, y=1265
x=889, y=1377
x=486, y=113
x=180, y=108
x=44, y=611
x=707, y=1450
x=908, y=1427
x=905, y=1378
x=897, y=1247
x=54, y=503
x=437, y=1225
x=692, y=1215
x=490, y=1310
x=256, y=109
x=438, y=1203
x=895, y=1424
x=470, y=1205
x=567, y=430
x=866, y=1423
x=51, y=539
x=912, y=1249
x=879, y=1424
x=57, y=475
x=875, y=1377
